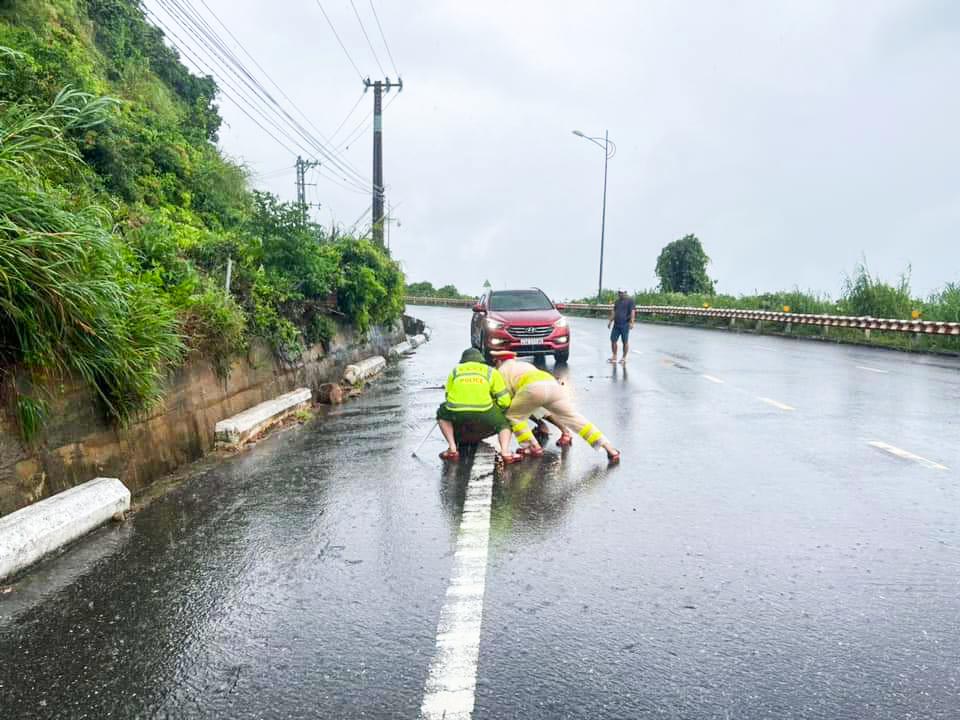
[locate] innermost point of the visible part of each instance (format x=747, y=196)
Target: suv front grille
x=530, y=331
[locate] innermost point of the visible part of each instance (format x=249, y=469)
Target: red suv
x=524, y=321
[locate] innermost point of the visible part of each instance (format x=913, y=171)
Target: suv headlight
x=561, y=323
x=493, y=324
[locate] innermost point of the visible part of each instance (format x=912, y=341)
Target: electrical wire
x=222, y=52
x=337, y=36
x=179, y=47
x=265, y=73
x=384, y=38
x=347, y=117
x=363, y=29
x=246, y=106
x=353, y=134
x=356, y=222
x=214, y=49
x=364, y=125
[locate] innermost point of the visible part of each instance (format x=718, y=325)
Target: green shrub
x=370, y=284
x=320, y=329
x=215, y=326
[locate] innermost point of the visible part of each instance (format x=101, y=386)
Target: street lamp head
x=578, y=133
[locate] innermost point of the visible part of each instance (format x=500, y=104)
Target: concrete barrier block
x=242, y=427
x=364, y=370
x=398, y=351
x=29, y=534
x=417, y=340
x=427, y=333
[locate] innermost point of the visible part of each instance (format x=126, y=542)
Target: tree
x=682, y=267
x=448, y=291
x=421, y=289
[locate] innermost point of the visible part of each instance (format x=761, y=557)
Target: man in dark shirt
x=622, y=317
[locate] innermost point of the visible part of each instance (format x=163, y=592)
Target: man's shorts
x=620, y=332
x=492, y=418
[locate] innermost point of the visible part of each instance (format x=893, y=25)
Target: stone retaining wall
x=78, y=444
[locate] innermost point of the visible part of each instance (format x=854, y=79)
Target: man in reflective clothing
x=532, y=389
x=476, y=393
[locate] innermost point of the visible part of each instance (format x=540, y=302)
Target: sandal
x=510, y=458
x=451, y=455
x=614, y=457
x=565, y=440
x=530, y=452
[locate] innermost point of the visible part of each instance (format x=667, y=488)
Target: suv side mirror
x=478, y=308
x=560, y=307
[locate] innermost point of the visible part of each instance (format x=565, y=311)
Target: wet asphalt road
x=754, y=556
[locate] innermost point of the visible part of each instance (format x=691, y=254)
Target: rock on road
x=782, y=540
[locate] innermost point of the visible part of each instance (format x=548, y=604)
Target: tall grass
x=71, y=301
x=864, y=294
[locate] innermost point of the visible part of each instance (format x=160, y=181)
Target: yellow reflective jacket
x=475, y=387
x=518, y=374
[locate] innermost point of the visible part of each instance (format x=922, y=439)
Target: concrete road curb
x=37, y=530
x=239, y=428
x=398, y=351
x=364, y=370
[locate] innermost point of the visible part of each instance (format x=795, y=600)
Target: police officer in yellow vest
x=534, y=389
x=476, y=393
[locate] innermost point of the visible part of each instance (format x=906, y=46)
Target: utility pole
x=378, y=89
x=390, y=220
x=302, y=167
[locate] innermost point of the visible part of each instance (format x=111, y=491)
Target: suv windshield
x=507, y=300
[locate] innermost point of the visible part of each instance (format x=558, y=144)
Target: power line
x=369, y=44
x=265, y=73
x=337, y=35
x=246, y=106
x=233, y=64
x=206, y=37
x=353, y=134
x=384, y=38
x=203, y=65
x=347, y=116
x=364, y=125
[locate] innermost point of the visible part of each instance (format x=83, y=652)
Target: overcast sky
x=794, y=138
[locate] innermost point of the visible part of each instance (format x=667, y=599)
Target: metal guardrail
x=924, y=327
x=443, y=302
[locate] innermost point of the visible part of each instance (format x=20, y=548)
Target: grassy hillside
x=118, y=215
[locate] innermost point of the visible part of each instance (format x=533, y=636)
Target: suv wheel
x=560, y=358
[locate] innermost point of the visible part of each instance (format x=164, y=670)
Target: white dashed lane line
x=776, y=403
x=906, y=455
x=712, y=379
x=451, y=683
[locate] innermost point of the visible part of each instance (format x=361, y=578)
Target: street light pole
x=607, y=154
x=603, y=215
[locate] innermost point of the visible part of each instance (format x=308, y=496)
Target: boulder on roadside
x=330, y=394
